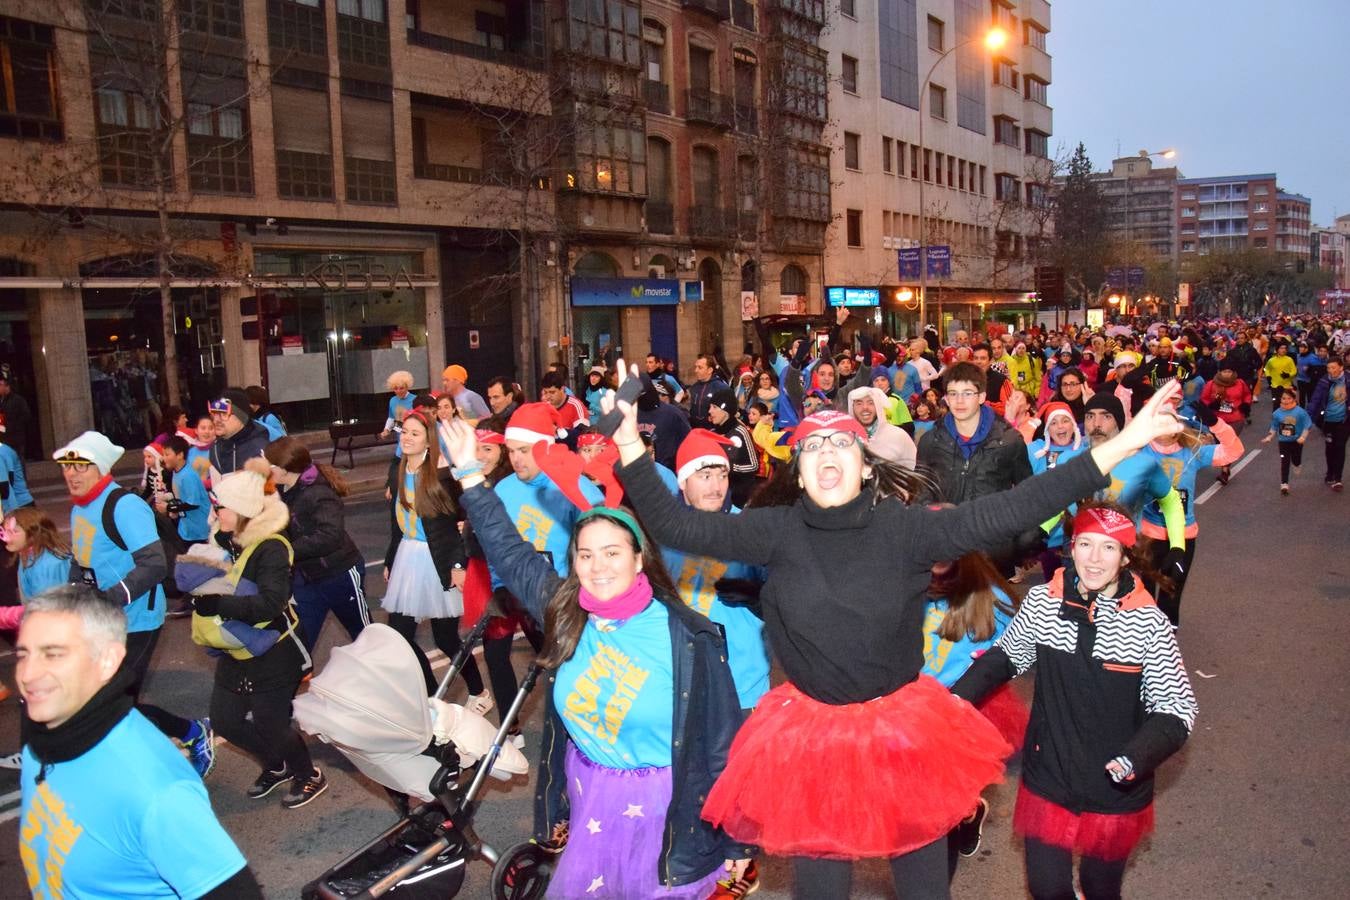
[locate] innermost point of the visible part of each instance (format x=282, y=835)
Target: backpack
x=169, y=541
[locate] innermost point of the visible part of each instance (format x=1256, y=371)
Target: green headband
x=622, y=516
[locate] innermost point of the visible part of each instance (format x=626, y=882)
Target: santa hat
x=701, y=448
x=1053, y=410
x=156, y=450
x=534, y=422
x=593, y=439
x=1105, y=521
x=827, y=420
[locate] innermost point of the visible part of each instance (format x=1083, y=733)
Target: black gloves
x=1173, y=565
x=206, y=605
x=1030, y=543
x=1206, y=415
x=803, y=353
x=739, y=592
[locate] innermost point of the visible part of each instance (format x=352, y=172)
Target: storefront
x=333, y=325
x=597, y=307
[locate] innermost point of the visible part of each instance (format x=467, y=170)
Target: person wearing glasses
x=238, y=437
x=883, y=761
x=972, y=452
x=115, y=548
x=1073, y=391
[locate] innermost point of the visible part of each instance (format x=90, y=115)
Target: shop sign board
x=626, y=291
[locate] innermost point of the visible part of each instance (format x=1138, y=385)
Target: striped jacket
x=1110, y=682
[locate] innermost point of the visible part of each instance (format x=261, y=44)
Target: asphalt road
x=1252, y=807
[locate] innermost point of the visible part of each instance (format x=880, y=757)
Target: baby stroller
x=370, y=702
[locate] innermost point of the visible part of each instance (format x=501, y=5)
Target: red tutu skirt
x=1008, y=713
x=1109, y=836
x=857, y=781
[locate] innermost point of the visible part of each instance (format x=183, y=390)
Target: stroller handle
x=508, y=720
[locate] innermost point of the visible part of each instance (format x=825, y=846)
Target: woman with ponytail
x=329, y=574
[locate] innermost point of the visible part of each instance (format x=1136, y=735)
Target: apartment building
x=311, y=194
x=1326, y=253
x=1141, y=201
x=1240, y=212
x=939, y=138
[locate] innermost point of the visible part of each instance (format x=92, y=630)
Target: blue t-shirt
x=921, y=428
x=668, y=479
x=409, y=522
x=199, y=458
x=1335, y=409
x=543, y=515
x=747, y=657
x=11, y=470
x=129, y=818
x=1136, y=480
x=1054, y=457
x=94, y=550
x=947, y=660
x=395, y=404
x=616, y=694
x=194, y=525
x=1290, y=424
x=1182, y=467
x=47, y=570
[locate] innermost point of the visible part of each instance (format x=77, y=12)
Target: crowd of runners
x=816, y=565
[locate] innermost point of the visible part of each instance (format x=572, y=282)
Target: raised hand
x=461, y=444
x=626, y=435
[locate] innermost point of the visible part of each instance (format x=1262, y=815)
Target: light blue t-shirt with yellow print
x=94, y=550
x=616, y=694
x=409, y=522
x=543, y=515
x=948, y=660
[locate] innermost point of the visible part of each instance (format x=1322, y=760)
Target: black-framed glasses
x=840, y=440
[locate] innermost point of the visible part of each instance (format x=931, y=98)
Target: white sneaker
x=479, y=703
x=11, y=761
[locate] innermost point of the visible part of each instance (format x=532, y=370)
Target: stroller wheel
x=522, y=872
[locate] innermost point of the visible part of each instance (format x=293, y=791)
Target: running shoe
x=181, y=609
x=269, y=781
x=971, y=831
x=481, y=704
x=304, y=791
x=737, y=888
x=1284, y=490
x=11, y=761
x=1337, y=486
x=1223, y=476
x=202, y=748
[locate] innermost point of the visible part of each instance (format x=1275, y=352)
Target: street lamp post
x=993, y=40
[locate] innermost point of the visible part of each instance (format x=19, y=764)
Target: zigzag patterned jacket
x=1109, y=682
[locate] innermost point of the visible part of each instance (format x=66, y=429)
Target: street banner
x=909, y=263
x=940, y=261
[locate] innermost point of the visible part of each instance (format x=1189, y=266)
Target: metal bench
x=346, y=434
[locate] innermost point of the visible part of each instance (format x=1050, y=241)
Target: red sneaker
x=744, y=886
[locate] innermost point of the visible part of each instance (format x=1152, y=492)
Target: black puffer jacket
x=317, y=532
x=998, y=463
x=229, y=454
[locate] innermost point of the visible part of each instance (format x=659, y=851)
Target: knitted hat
x=532, y=423
x=1108, y=403
x=700, y=449
x=828, y=420
x=725, y=400
x=90, y=447
x=233, y=402
x=1106, y=522
x=240, y=492
x=457, y=372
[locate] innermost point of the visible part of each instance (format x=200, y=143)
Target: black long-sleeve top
x=844, y=600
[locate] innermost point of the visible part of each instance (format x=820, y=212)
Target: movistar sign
x=625, y=292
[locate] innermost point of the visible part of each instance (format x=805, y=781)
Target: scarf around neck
x=83, y=731
x=622, y=606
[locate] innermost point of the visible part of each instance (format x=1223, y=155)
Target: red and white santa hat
x=1053, y=410
x=534, y=422
x=1106, y=522
x=700, y=449
x=828, y=420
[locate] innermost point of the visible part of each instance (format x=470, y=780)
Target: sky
x=1238, y=87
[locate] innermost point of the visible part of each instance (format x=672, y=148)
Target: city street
x=1253, y=806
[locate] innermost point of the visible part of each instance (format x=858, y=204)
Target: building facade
x=1238, y=212
x=964, y=163
x=1141, y=203
x=1326, y=253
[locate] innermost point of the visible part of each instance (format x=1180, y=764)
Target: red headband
x=487, y=436
x=1106, y=522
x=592, y=439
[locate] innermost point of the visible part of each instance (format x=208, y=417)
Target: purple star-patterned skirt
x=614, y=837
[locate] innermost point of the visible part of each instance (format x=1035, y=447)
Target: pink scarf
x=623, y=606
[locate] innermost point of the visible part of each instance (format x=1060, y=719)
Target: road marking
x=1237, y=467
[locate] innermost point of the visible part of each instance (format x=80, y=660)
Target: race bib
x=1287, y=429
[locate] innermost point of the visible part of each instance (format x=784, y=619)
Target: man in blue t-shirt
x=109, y=807
x=126, y=567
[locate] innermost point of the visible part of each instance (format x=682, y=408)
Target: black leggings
x=919, y=875
x=501, y=673
x=445, y=634
x=269, y=737
x=1169, y=600
x=140, y=651
x=1290, y=452
x=1050, y=874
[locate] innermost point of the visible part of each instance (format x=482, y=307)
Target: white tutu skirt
x=415, y=587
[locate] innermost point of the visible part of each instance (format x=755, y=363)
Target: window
x=1038, y=144
x=1188, y=229
x=886, y=154
x=849, y=76
x=1035, y=90
x=743, y=86
x=606, y=30
x=853, y=219
x=1005, y=187
x=368, y=150
x=938, y=168
x=847, y=7
x=124, y=138
x=1260, y=225
x=851, y=151
x=937, y=101
x=913, y=161
x=983, y=173
x=363, y=36
x=1006, y=131
x=927, y=165
x=935, y=34
x=1034, y=36
x=900, y=158
x=1260, y=191
x=707, y=193
x=1265, y=207
x=792, y=281
x=807, y=177
x=220, y=159
x=298, y=26
x=1188, y=246
x=1188, y=195
x=1260, y=243
x=370, y=10
x=951, y=171
x=304, y=151
x=1005, y=74
x=610, y=150
x=961, y=174
x=654, y=41
x=219, y=18
x=1037, y=195
x=1188, y=210
x=28, y=107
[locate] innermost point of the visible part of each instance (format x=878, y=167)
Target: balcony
x=712, y=222
x=811, y=10
x=747, y=225
x=743, y=14
x=475, y=51
x=707, y=108
x=656, y=94
x=719, y=9
x=747, y=119
x=660, y=218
